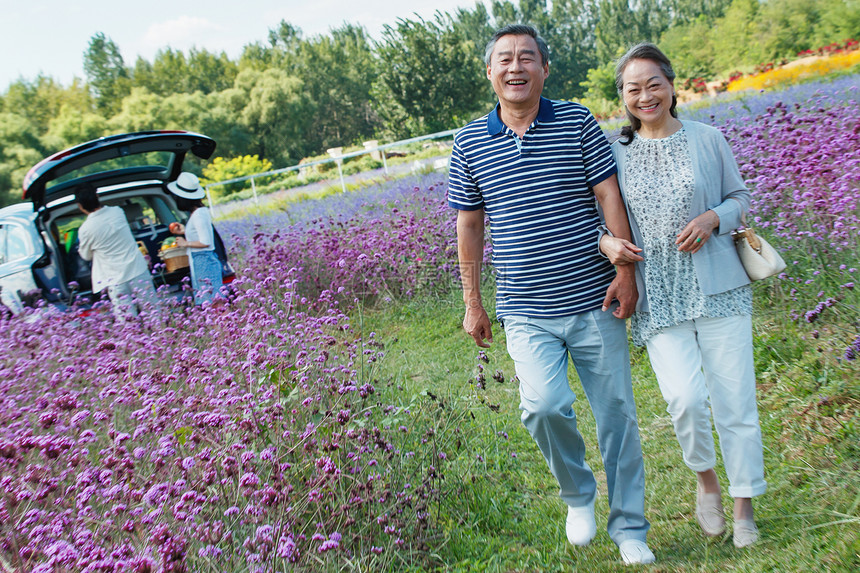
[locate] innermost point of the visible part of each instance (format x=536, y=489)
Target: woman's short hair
x=517, y=30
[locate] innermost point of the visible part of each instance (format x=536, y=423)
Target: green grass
x=503, y=513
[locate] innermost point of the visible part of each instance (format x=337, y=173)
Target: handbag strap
x=748, y=233
x=753, y=239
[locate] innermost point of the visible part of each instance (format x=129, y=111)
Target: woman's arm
x=726, y=216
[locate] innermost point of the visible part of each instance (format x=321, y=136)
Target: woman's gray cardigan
x=718, y=186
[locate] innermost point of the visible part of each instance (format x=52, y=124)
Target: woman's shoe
x=745, y=533
x=709, y=513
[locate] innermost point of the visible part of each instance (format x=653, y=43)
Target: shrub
x=221, y=169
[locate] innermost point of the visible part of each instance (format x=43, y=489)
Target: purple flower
x=287, y=549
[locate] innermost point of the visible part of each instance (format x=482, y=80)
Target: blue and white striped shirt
x=536, y=192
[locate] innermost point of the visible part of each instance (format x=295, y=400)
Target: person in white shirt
x=206, y=277
x=117, y=264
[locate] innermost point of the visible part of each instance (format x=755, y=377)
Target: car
x=38, y=238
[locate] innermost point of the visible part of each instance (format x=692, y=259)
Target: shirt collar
x=495, y=125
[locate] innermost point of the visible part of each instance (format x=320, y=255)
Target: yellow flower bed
x=793, y=73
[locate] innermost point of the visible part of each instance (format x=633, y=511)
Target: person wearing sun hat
x=199, y=237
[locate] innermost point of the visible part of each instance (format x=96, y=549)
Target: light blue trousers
x=597, y=343
x=205, y=276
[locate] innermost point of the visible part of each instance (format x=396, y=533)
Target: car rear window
x=150, y=162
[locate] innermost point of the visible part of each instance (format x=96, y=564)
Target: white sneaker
x=580, y=526
x=635, y=552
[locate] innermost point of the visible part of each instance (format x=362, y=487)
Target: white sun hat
x=186, y=186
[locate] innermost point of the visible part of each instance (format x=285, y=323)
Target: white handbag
x=759, y=258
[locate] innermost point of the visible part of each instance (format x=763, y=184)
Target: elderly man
x=118, y=265
x=534, y=167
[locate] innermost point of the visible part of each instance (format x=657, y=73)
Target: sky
x=49, y=37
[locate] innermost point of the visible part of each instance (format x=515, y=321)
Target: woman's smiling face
x=647, y=92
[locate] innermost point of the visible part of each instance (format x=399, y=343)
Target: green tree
x=223, y=122
x=338, y=71
x=686, y=11
x=622, y=23
x=172, y=72
x=168, y=74
x=840, y=20
x=106, y=72
x=20, y=149
x=72, y=126
x=143, y=110
x=209, y=72
x=689, y=47
x=600, y=83
x=42, y=99
x=139, y=112
x=430, y=78
x=276, y=110
x=787, y=27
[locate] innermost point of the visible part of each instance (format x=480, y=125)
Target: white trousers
x=706, y=365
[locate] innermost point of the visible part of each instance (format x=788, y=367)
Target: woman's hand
x=619, y=251
x=176, y=228
x=181, y=242
x=697, y=232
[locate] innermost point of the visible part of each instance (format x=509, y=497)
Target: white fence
x=336, y=157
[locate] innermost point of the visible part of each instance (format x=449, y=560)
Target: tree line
x=292, y=96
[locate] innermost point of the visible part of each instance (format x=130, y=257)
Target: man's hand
x=477, y=324
x=623, y=289
x=619, y=251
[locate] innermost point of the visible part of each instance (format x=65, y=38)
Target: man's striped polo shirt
x=536, y=192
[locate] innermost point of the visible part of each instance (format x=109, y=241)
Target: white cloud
x=181, y=33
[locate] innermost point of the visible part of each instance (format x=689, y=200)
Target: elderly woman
x=684, y=196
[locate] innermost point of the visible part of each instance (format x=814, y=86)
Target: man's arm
x=85, y=249
x=470, y=250
x=623, y=287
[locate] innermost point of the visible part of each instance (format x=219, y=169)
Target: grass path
x=505, y=514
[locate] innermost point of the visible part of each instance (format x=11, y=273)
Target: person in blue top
x=534, y=167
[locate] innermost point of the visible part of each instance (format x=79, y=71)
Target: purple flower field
x=258, y=435
x=244, y=437
x=384, y=243
x=248, y=437
x=801, y=161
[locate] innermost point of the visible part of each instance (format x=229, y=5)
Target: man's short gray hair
x=517, y=30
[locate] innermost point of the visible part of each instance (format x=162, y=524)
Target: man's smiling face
x=516, y=71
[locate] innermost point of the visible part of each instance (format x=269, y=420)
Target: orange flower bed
x=809, y=67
